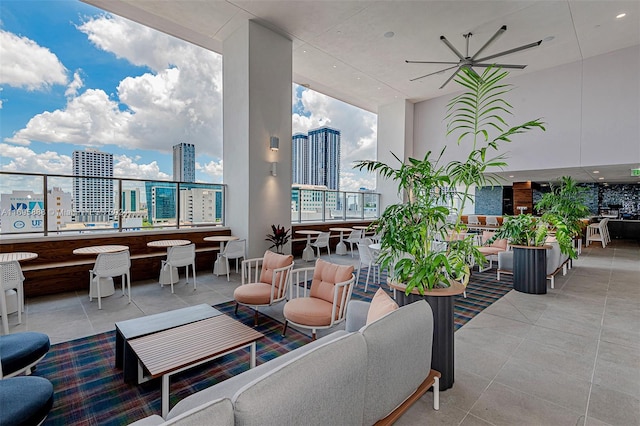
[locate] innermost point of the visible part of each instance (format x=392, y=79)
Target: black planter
x=442, y=350
x=530, y=269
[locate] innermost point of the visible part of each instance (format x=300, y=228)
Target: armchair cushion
x=272, y=261
x=20, y=350
x=381, y=304
x=310, y=311
x=253, y=294
x=325, y=276
x=499, y=244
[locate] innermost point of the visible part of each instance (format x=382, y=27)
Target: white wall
x=257, y=76
x=591, y=109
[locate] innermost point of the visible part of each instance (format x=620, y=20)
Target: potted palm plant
x=423, y=240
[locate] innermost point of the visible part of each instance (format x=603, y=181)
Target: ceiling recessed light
x=335, y=66
x=358, y=78
x=596, y=171
x=389, y=34
x=548, y=39
x=511, y=176
x=600, y=178
x=621, y=15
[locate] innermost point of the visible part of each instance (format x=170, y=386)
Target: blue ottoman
x=25, y=400
x=20, y=351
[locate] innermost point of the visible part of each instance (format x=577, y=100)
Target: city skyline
x=316, y=158
x=86, y=78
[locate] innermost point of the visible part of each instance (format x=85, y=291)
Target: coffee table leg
x=252, y=363
x=165, y=395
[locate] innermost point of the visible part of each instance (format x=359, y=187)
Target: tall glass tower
x=184, y=162
x=93, y=196
x=316, y=158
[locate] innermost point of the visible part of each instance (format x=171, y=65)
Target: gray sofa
x=355, y=376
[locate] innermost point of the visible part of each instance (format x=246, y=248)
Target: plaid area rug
x=89, y=390
x=483, y=289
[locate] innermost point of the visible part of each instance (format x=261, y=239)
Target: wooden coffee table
x=177, y=349
x=138, y=327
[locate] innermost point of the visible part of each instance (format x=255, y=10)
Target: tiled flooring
x=570, y=357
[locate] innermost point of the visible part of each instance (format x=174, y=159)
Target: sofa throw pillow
x=381, y=304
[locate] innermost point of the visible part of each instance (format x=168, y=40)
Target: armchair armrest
x=357, y=311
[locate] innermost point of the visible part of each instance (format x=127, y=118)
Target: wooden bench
x=57, y=270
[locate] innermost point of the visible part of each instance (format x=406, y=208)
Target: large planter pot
x=441, y=301
x=530, y=269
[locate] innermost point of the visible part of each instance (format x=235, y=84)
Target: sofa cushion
x=227, y=388
x=381, y=304
x=325, y=276
x=271, y=261
x=25, y=400
x=324, y=386
x=398, y=358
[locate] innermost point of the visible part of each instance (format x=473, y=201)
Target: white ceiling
x=340, y=48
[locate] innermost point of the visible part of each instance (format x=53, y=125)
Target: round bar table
x=106, y=284
x=165, y=274
x=17, y=256
x=220, y=268
x=307, y=254
x=341, y=248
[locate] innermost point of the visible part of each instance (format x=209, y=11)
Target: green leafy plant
x=563, y=209
x=279, y=237
x=523, y=230
x=413, y=232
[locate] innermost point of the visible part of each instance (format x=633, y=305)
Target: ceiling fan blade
x=491, y=40
x=515, y=67
x=450, y=46
x=451, y=78
x=432, y=62
x=508, y=52
x=434, y=73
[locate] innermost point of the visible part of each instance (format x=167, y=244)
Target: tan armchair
x=490, y=251
x=269, y=287
x=323, y=303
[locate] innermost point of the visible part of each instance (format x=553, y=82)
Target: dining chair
x=322, y=241
x=264, y=281
x=11, y=288
x=109, y=265
x=235, y=249
x=492, y=221
x=368, y=258
x=354, y=237
x=181, y=256
x=321, y=302
x=472, y=219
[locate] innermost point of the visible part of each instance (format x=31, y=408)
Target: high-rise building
x=300, y=154
x=316, y=158
x=184, y=162
x=93, y=195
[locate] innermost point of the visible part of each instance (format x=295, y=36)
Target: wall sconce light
x=274, y=169
x=274, y=143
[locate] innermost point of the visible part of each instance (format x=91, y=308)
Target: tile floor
x=570, y=357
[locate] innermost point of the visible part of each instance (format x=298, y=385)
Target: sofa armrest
x=357, y=311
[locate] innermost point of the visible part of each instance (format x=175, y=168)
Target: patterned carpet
x=90, y=391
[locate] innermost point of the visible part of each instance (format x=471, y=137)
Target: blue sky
x=73, y=76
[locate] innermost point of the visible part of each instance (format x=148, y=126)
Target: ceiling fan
x=473, y=61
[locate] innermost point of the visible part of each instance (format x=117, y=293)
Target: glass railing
x=32, y=203
x=320, y=205
x=53, y=204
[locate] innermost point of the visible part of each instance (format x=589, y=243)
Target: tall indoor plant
x=431, y=190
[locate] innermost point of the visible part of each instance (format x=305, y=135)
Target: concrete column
x=395, y=135
x=257, y=81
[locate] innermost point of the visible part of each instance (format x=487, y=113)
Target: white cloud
x=358, y=133
x=75, y=85
x=213, y=169
x=126, y=167
x=21, y=159
x=180, y=101
x=26, y=64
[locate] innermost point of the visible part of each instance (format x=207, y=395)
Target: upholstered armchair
x=319, y=296
x=264, y=281
x=490, y=251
